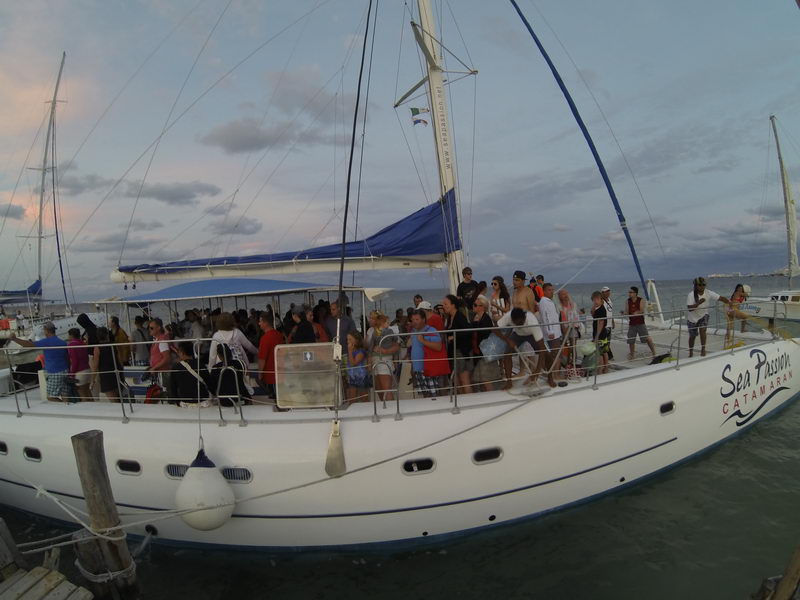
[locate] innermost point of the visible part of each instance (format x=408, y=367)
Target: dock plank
x=64, y=591
x=7, y=583
x=23, y=584
x=44, y=586
x=80, y=594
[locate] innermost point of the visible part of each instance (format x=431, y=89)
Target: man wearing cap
x=433, y=319
x=697, y=317
x=468, y=289
x=56, y=360
x=605, y=294
x=522, y=296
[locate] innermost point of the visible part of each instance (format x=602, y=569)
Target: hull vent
x=237, y=474
x=175, y=471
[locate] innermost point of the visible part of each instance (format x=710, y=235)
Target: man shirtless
x=522, y=296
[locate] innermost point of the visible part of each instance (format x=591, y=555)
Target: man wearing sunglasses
x=160, y=357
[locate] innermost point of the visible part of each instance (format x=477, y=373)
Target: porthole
x=237, y=474
x=175, y=471
x=3, y=448
x=487, y=455
x=129, y=467
x=418, y=466
x=667, y=408
x=33, y=454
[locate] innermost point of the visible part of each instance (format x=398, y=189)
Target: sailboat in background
x=31, y=297
x=784, y=304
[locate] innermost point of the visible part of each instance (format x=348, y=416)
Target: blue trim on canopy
x=431, y=231
x=224, y=287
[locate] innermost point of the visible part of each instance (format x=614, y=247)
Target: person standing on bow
x=551, y=326
x=459, y=344
x=522, y=296
x=499, y=300
x=141, y=354
x=697, y=317
x=636, y=326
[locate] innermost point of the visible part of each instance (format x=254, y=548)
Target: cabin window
x=487, y=455
x=129, y=467
x=418, y=466
x=175, y=471
x=33, y=454
x=784, y=298
x=773, y=297
x=795, y=298
x=667, y=408
x=237, y=474
x=3, y=448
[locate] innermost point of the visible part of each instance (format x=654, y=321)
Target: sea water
x=712, y=528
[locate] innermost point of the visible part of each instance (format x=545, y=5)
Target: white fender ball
x=203, y=485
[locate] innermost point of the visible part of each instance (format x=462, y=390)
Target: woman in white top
x=227, y=333
x=500, y=300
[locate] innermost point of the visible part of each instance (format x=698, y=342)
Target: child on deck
x=357, y=374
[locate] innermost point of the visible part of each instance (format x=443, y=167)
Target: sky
x=196, y=128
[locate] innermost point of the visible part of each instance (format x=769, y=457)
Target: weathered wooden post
x=97, y=555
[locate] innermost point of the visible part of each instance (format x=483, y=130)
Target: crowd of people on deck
x=474, y=340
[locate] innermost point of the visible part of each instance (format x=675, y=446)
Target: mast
x=791, y=214
x=440, y=124
x=44, y=169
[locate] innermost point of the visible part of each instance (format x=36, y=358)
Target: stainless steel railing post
x=13, y=383
x=454, y=397
x=678, y=352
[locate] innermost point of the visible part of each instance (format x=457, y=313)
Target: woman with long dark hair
x=499, y=299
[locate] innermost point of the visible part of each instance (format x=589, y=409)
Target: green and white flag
x=418, y=111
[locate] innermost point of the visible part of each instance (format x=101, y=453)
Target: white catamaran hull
x=553, y=451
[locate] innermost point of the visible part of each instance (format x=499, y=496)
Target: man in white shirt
x=548, y=315
x=697, y=315
x=525, y=328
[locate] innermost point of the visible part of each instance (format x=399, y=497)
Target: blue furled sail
x=420, y=240
x=32, y=293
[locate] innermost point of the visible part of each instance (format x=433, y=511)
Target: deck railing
x=131, y=388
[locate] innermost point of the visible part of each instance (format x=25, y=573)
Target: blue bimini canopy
x=228, y=288
x=32, y=292
x=422, y=240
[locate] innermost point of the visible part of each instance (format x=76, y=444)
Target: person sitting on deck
x=189, y=380
x=302, y=331
x=697, y=318
x=226, y=379
x=525, y=328
x=56, y=360
x=228, y=334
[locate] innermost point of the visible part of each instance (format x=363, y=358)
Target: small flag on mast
x=415, y=112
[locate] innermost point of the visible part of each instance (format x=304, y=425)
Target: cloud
x=658, y=221
x=220, y=209
x=175, y=193
x=112, y=242
x=560, y=227
x=248, y=134
x=12, y=211
x=231, y=227
x=140, y=225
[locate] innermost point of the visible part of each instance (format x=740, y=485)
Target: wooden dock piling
x=97, y=555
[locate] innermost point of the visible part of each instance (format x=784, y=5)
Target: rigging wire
x=128, y=82
x=608, y=125
x=191, y=105
x=340, y=295
x=364, y=129
x=55, y=207
x=241, y=180
x=764, y=191
x=163, y=129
